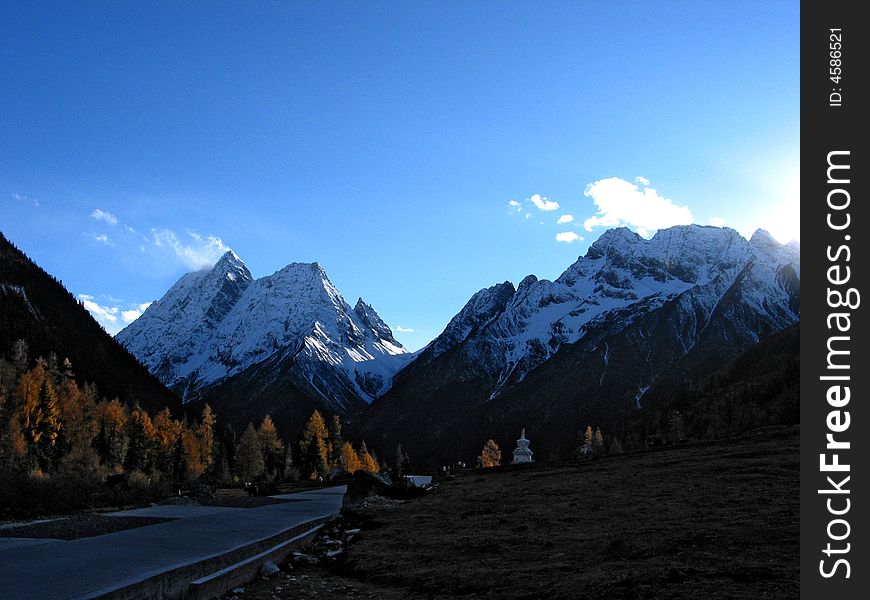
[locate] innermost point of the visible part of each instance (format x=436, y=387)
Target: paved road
x=71, y=569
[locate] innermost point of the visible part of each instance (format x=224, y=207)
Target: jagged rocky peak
x=213, y=325
x=762, y=237
x=373, y=321
x=232, y=266
x=622, y=277
x=483, y=307
x=618, y=238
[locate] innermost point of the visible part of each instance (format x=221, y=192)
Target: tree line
x=57, y=434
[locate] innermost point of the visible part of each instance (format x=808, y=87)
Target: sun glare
x=781, y=216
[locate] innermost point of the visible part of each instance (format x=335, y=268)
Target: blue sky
x=416, y=150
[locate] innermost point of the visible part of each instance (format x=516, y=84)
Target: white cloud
x=565, y=219
x=621, y=202
x=400, y=329
x=105, y=315
x=642, y=180
x=515, y=206
x=134, y=313
x=112, y=318
x=199, y=253
x=25, y=198
x=543, y=203
x=101, y=215
x=717, y=221
x=567, y=237
x=103, y=239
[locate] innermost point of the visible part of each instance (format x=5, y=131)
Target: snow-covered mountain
x=218, y=324
x=510, y=332
x=627, y=314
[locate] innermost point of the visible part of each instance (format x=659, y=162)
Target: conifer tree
x=368, y=461
x=20, y=356
x=249, y=456
x=675, y=431
x=39, y=415
x=402, y=462
x=335, y=442
x=167, y=450
x=190, y=465
x=13, y=447
x=587, y=441
x=78, y=409
x=314, y=447
x=598, y=441
x=140, y=439
x=350, y=461
x=273, y=448
x=111, y=436
x=206, y=433
x=490, y=456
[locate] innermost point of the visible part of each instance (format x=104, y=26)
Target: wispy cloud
x=515, y=206
x=107, y=217
x=196, y=252
x=636, y=205
x=112, y=318
x=102, y=238
x=128, y=316
x=565, y=219
x=567, y=237
x=717, y=221
x=543, y=203
x=25, y=198
x=400, y=329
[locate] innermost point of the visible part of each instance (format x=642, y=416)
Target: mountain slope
x=586, y=347
x=221, y=336
x=37, y=308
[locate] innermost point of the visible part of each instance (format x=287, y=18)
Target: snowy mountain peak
x=620, y=238
x=483, y=307
x=762, y=237
x=231, y=267
x=621, y=277
x=213, y=325
x=373, y=321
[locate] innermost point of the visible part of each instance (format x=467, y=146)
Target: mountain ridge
x=36, y=307
x=591, y=343
x=220, y=323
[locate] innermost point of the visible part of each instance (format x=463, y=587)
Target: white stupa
x=522, y=454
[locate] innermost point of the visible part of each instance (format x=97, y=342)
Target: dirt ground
x=710, y=521
x=73, y=527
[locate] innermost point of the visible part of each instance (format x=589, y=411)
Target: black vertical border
x=826, y=128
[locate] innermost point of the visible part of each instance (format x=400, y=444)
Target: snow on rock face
x=214, y=324
x=621, y=277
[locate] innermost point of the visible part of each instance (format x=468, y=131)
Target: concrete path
x=89, y=566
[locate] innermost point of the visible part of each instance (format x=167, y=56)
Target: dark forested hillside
x=711, y=399
x=37, y=308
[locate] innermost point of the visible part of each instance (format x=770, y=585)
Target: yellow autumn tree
x=272, y=447
x=206, y=434
x=111, y=436
x=368, y=461
x=350, y=461
x=315, y=446
x=490, y=456
x=167, y=435
x=40, y=415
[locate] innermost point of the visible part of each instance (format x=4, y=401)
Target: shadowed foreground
x=718, y=520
